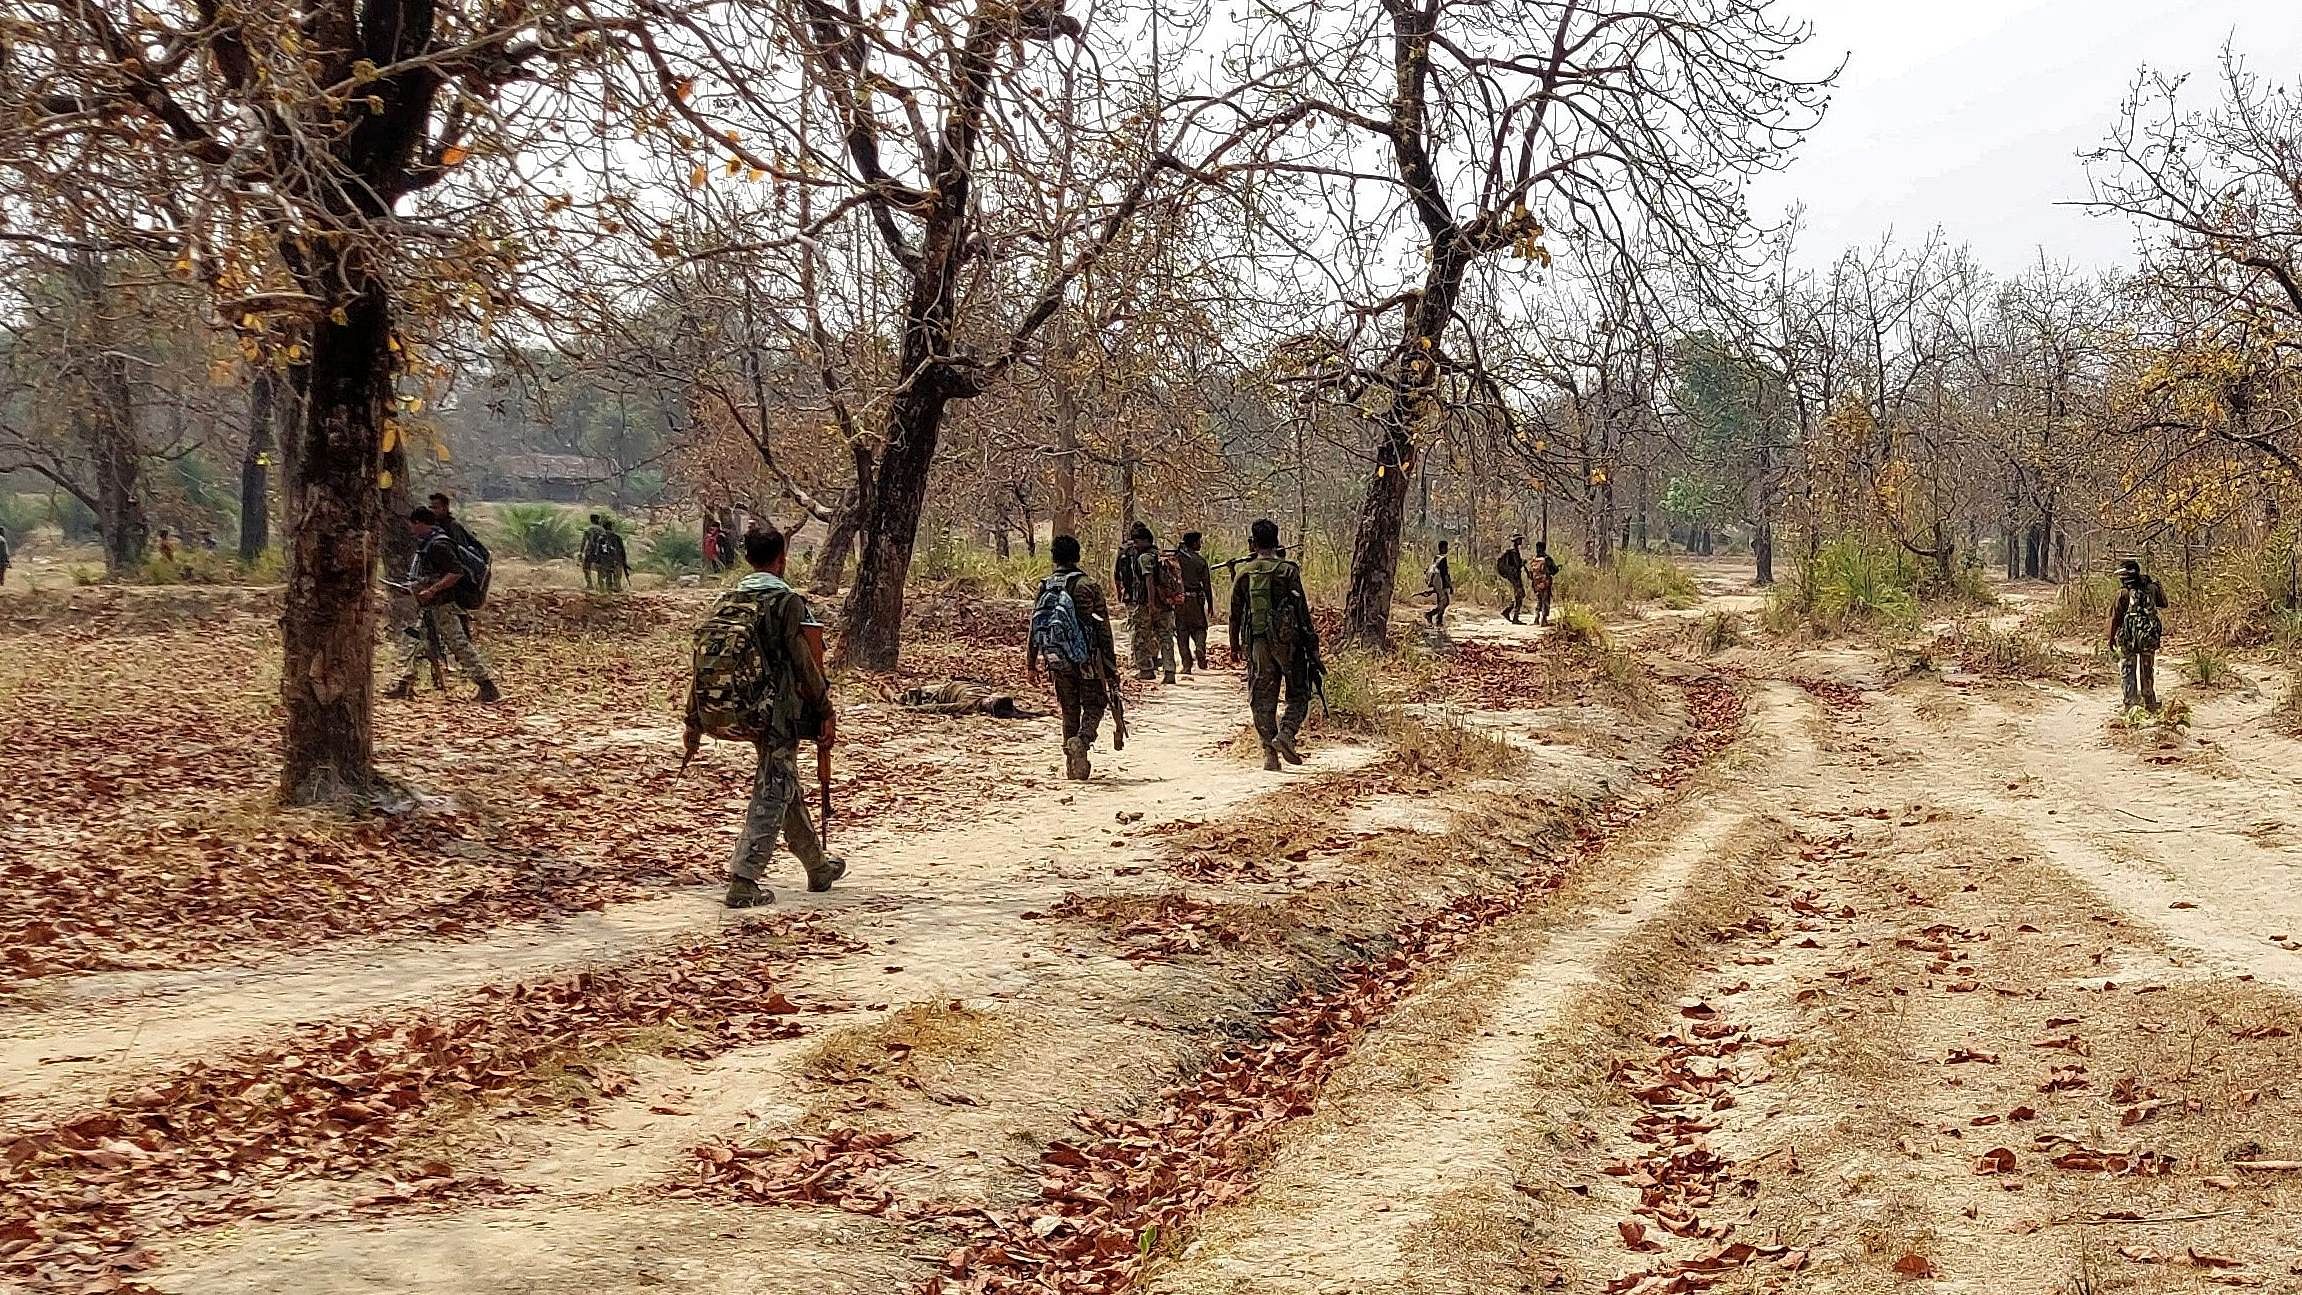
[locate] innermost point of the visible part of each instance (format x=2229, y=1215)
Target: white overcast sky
x=1970, y=114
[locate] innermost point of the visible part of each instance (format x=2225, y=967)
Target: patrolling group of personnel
x=759, y=673
x=1516, y=570
x=1172, y=597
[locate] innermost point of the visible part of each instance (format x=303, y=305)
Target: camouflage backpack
x=738, y=674
x=2143, y=629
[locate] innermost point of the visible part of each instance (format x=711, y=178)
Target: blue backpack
x=1055, y=629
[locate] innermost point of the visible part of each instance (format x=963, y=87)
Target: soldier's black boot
x=489, y=693
x=1075, y=759
x=742, y=893
x=1286, y=745
x=1270, y=758
x=819, y=878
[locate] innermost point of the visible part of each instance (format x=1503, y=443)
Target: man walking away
x=442, y=509
x=1151, y=630
x=2136, y=630
x=1198, y=609
x=1512, y=567
x=445, y=588
x=1439, y=583
x=759, y=678
x=589, y=554
x=1544, y=573
x=1271, y=631
x=1071, y=634
x=614, y=560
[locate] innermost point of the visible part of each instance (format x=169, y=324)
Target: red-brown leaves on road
x=210, y=1142
x=838, y=1167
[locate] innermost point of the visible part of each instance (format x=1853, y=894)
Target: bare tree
x=1608, y=125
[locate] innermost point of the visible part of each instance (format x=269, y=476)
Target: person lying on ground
x=964, y=697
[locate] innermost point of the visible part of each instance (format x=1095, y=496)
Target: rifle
x=1118, y=710
x=435, y=656
x=1318, y=676
x=823, y=789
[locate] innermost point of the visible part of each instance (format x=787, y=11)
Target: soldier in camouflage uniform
x=964, y=697
x=1271, y=631
x=1151, y=626
x=434, y=574
x=801, y=709
x=588, y=554
x=1083, y=690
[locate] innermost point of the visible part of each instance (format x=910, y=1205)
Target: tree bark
x=871, y=635
x=839, y=540
x=255, y=471
x=105, y=418
x=1375, y=544
x=332, y=514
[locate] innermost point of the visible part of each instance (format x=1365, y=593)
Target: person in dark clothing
x=1273, y=635
x=1082, y=688
x=1440, y=585
x=456, y=530
x=1198, y=609
x=1511, y=565
x=435, y=575
x=2136, y=631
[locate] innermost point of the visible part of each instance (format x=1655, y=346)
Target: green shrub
x=676, y=552
x=188, y=567
x=1575, y=623
x=1717, y=632
x=970, y=567
x=20, y=514
x=2207, y=667
x=1357, y=695
x=1848, y=585
x=1628, y=581
x=540, y=532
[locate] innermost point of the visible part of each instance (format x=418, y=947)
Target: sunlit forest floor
x=1662, y=957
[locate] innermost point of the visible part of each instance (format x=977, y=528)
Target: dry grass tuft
x=943, y=1029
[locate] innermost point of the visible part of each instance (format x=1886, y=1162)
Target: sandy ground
x=1920, y=982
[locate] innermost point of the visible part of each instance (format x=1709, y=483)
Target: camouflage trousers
x=778, y=809
x=1152, y=640
x=1268, y=674
x=1518, y=601
x=2139, y=671
x=1083, y=694
x=447, y=624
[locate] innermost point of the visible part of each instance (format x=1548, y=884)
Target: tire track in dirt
x=2197, y=857
x=1106, y=1204
x=943, y=925
x=930, y=900
x=1422, y=1112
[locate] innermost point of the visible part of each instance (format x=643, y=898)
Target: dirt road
x=1766, y=971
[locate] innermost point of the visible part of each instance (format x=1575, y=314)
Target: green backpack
x=738, y=676
x=1273, y=592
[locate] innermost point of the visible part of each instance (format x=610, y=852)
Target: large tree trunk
x=255, y=471
x=1070, y=510
x=1375, y=545
x=332, y=515
x=871, y=631
x=106, y=422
